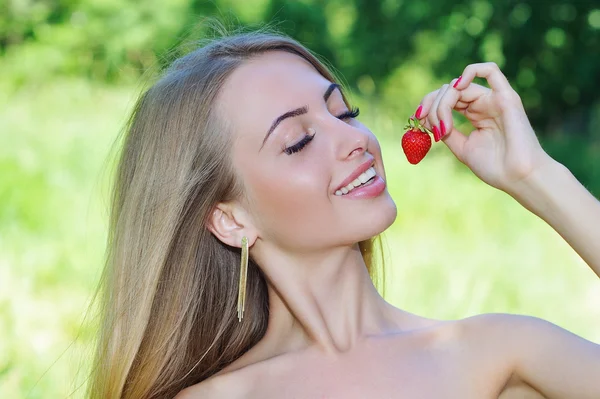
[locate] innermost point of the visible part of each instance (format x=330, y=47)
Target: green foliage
x=102, y=40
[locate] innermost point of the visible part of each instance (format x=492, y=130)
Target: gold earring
x=243, y=276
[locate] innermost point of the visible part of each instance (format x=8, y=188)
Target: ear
x=229, y=223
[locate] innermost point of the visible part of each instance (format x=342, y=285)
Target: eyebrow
x=297, y=112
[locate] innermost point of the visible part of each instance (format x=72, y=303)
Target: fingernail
x=436, y=134
x=457, y=81
x=442, y=129
x=418, y=113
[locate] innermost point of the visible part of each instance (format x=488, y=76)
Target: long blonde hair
x=169, y=287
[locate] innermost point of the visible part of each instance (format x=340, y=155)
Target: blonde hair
x=169, y=287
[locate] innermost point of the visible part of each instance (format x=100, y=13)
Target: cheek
x=289, y=199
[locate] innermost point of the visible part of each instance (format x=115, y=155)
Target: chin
x=377, y=221
x=388, y=215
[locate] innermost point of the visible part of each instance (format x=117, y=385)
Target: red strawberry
x=416, y=142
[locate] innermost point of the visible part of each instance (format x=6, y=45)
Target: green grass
x=53, y=145
x=457, y=248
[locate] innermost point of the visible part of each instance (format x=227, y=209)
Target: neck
x=327, y=300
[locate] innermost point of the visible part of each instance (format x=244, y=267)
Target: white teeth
x=363, y=178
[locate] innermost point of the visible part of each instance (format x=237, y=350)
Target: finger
x=446, y=103
x=466, y=98
x=472, y=92
x=487, y=70
x=425, y=105
x=455, y=140
x=432, y=116
x=461, y=106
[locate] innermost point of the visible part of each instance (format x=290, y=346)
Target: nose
x=351, y=142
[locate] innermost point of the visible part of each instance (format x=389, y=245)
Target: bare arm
x=555, y=195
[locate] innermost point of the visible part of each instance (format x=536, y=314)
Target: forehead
x=267, y=86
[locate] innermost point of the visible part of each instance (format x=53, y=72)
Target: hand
x=503, y=149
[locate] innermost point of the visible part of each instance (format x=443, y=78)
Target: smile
x=363, y=179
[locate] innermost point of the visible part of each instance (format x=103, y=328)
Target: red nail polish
x=457, y=81
x=436, y=134
x=442, y=129
x=418, y=113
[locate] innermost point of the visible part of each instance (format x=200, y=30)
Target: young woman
x=248, y=144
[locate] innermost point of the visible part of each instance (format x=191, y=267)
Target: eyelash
x=299, y=145
x=353, y=113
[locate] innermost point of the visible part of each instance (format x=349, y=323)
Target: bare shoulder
x=496, y=322
x=490, y=345
x=227, y=386
x=486, y=345
x=511, y=330
x=503, y=334
x=550, y=358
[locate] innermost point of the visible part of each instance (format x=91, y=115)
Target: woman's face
x=295, y=144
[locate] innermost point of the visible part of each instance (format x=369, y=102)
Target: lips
x=357, y=172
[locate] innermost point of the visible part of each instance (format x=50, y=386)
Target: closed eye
x=301, y=144
x=353, y=113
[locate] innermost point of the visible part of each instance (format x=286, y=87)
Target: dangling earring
x=243, y=276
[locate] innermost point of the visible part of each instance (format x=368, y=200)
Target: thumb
x=455, y=140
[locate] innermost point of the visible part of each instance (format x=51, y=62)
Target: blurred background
x=70, y=71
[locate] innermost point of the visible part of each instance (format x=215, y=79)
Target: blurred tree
x=305, y=21
x=549, y=50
